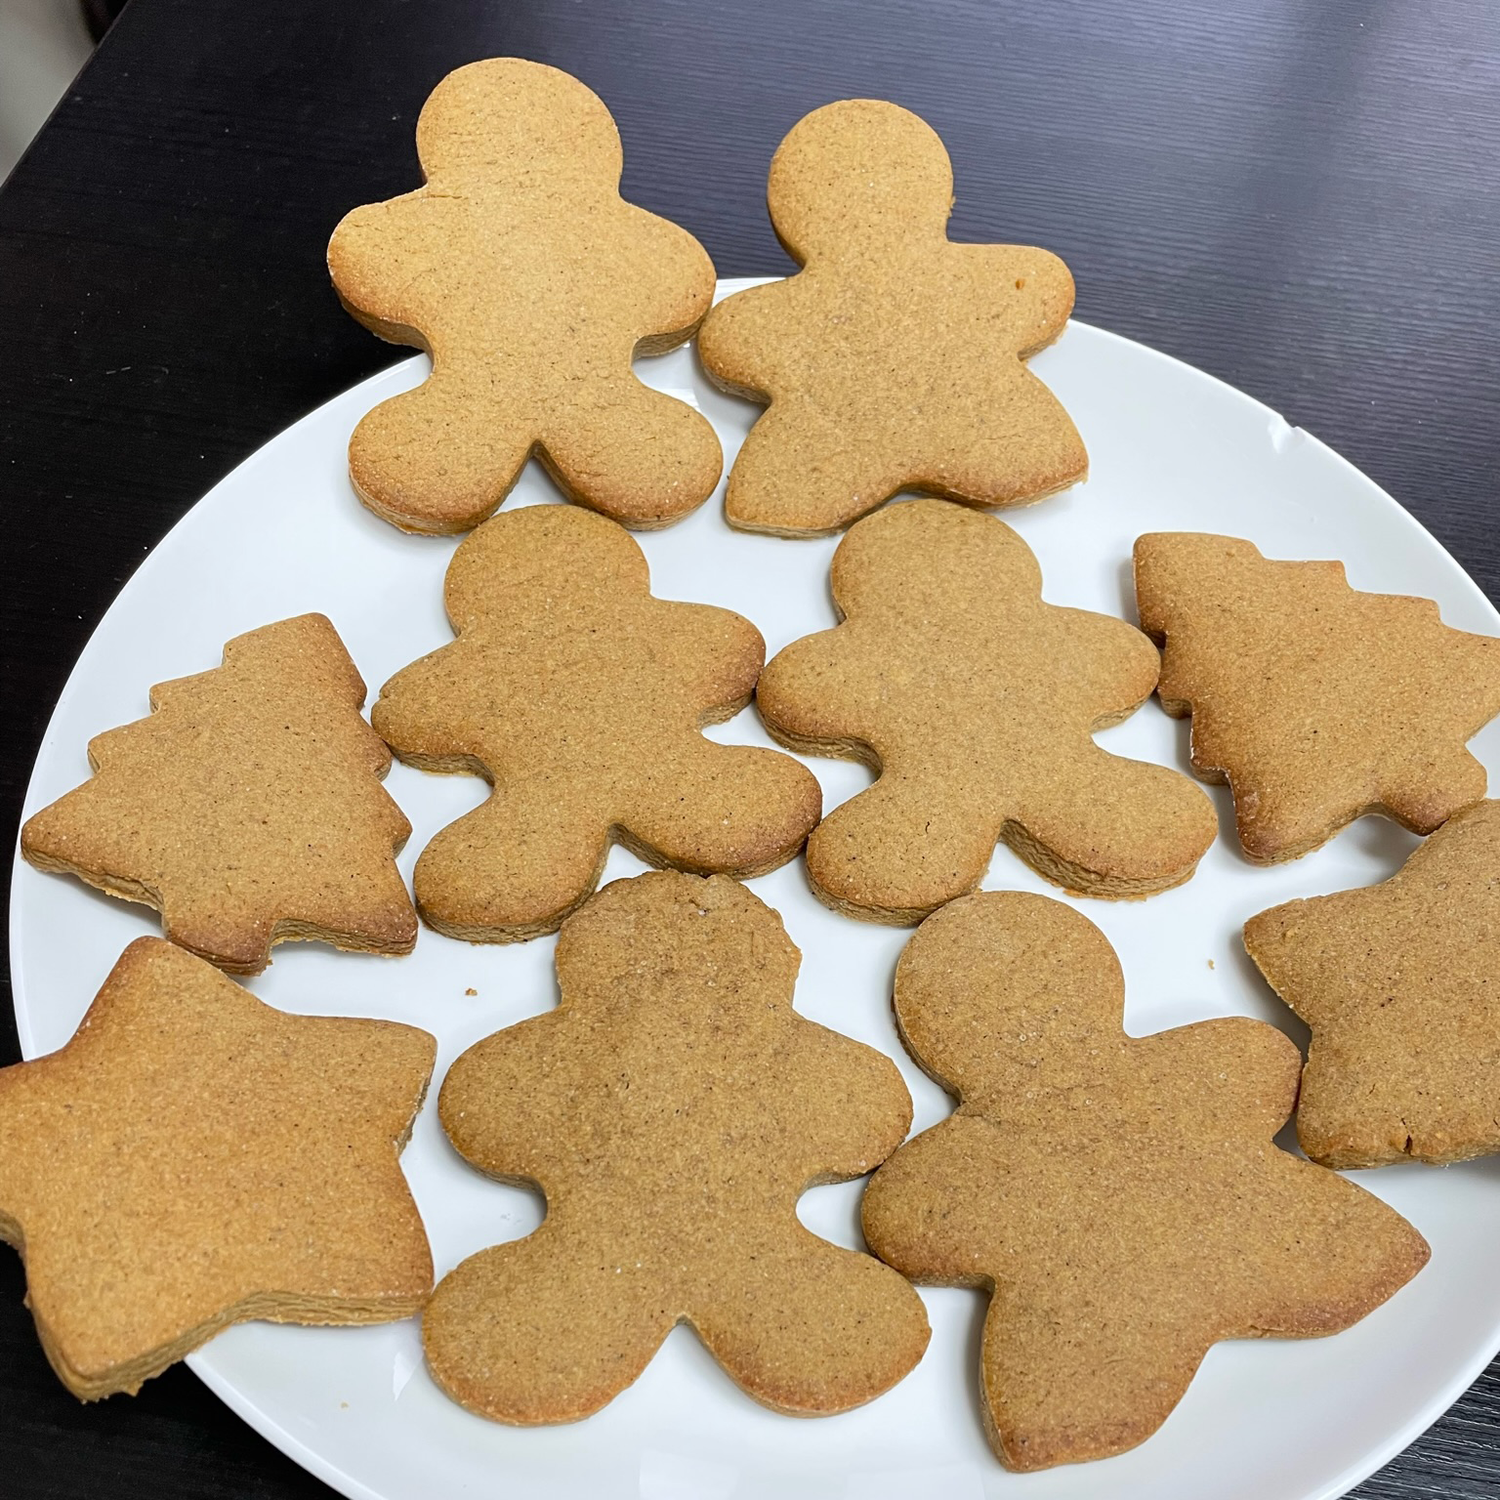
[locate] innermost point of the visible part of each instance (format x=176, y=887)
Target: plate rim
x=201, y=1361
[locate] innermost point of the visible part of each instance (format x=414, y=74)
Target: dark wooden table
x=1299, y=198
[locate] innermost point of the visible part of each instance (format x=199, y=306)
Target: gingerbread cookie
x=895, y=359
x=247, y=809
x=532, y=284
x=1316, y=703
x=193, y=1158
x=581, y=697
x=1120, y=1197
x=1400, y=985
x=975, y=702
x=673, y=1108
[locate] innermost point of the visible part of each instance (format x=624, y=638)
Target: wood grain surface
x=1299, y=198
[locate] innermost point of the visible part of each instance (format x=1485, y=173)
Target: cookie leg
x=511, y=869
x=1114, y=827
x=641, y=457
x=428, y=461
x=796, y=475
x=811, y=1329
x=900, y=850
x=1026, y=448
x=542, y=1330
x=724, y=809
x=1059, y=1390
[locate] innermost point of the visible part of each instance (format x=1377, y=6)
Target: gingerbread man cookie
x=193, y=1158
x=581, y=697
x=1119, y=1197
x=975, y=702
x=1316, y=703
x=532, y=284
x=895, y=359
x=1400, y=986
x=673, y=1108
x=247, y=809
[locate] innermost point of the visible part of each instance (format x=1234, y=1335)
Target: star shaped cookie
x=673, y=1108
x=976, y=704
x=193, y=1158
x=1120, y=1198
x=895, y=359
x=581, y=697
x=1400, y=985
x=247, y=809
x=532, y=284
x=1316, y=703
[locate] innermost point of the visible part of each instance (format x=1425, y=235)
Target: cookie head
x=506, y=117
x=497, y=564
x=687, y=938
x=859, y=170
x=872, y=572
x=1042, y=980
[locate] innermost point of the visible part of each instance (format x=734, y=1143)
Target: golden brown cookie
x=673, y=1108
x=247, y=809
x=1316, y=703
x=580, y=697
x=975, y=702
x=532, y=284
x=193, y=1158
x=895, y=359
x=1400, y=985
x=1119, y=1197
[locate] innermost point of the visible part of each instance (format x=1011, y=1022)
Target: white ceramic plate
x=1170, y=448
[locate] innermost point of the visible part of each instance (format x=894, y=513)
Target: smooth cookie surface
x=1121, y=1198
x=532, y=284
x=193, y=1158
x=673, y=1108
x=1317, y=703
x=1400, y=986
x=247, y=809
x=895, y=359
x=581, y=698
x=976, y=703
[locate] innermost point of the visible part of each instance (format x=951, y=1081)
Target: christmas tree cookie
x=1400, y=986
x=976, y=704
x=193, y=1158
x=580, y=697
x=673, y=1108
x=895, y=359
x=531, y=283
x=1120, y=1198
x=1316, y=703
x=247, y=809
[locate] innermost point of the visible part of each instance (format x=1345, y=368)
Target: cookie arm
x=678, y=289
x=815, y=694
x=741, y=338
x=852, y=1107
x=1244, y=1071
x=927, y=1211
x=376, y=255
x=499, y=1101
x=1037, y=286
x=423, y=713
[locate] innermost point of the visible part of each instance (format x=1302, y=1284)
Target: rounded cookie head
x=1043, y=982
x=518, y=554
x=506, y=117
x=676, y=934
x=961, y=551
x=858, y=170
